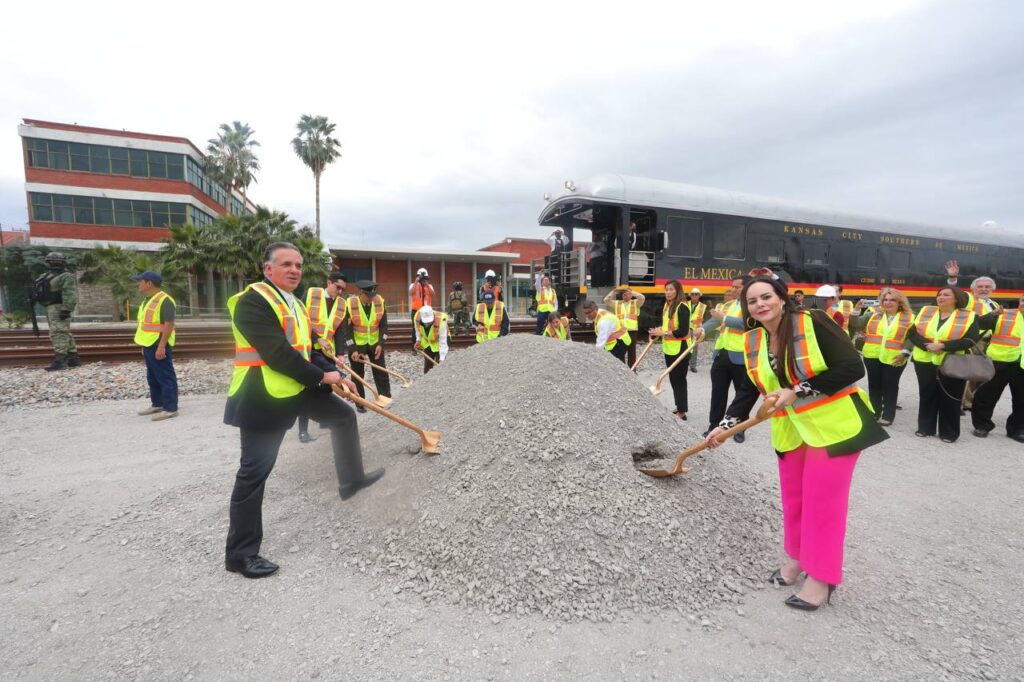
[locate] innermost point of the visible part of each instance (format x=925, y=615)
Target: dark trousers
x=677, y=377
x=303, y=425
x=985, y=398
x=542, y=319
x=883, y=387
x=723, y=373
x=634, y=336
x=939, y=402
x=381, y=379
x=620, y=350
x=163, y=382
x=427, y=364
x=259, y=453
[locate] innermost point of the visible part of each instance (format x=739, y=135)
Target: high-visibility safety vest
x=620, y=331
x=490, y=322
x=1007, y=338
x=979, y=306
x=669, y=324
x=883, y=340
x=557, y=328
x=846, y=308
x=422, y=295
x=547, y=299
x=928, y=326
x=730, y=339
x=696, y=313
x=818, y=420
x=148, y=331
x=365, y=330
x=325, y=320
x=296, y=330
x=628, y=313
x=431, y=339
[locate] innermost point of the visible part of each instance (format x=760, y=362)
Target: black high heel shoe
x=797, y=603
x=777, y=579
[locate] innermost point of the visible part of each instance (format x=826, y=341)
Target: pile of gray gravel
x=535, y=504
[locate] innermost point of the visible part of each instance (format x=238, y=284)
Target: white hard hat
x=489, y=273
x=826, y=291
x=695, y=290
x=422, y=272
x=426, y=314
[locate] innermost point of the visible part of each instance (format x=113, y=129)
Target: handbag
x=971, y=366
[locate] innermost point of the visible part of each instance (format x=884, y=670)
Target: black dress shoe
x=360, y=409
x=980, y=433
x=1019, y=437
x=253, y=566
x=304, y=437
x=348, y=490
x=740, y=437
x=797, y=603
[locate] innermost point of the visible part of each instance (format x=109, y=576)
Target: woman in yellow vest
x=947, y=327
x=811, y=367
x=675, y=338
x=886, y=350
x=1004, y=348
x=557, y=326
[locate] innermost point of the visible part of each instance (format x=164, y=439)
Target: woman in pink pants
x=821, y=424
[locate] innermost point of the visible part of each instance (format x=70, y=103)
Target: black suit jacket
x=251, y=407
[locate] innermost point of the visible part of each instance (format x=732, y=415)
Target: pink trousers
x=815, y=500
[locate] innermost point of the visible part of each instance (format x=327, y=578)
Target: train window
x=685, y=236
x=730, y=240
x=899, y=259
x=815, y=252
x=867, y=257
x=771, y=251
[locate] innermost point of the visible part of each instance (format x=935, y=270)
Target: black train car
x=646, y=232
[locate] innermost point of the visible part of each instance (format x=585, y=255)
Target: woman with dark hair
x=822, y=423
x=675, y=338
x=886, y=351
x=946, y=327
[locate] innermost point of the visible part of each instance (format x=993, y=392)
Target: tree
x=315, y=146
x=188, y=251
x=114, y=267
x=231, y=159
x=19, y=267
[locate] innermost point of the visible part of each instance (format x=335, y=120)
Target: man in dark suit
x=279, y=375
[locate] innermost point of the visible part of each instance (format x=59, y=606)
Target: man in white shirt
x=611, y=334
x=431, y=335
x=557, y=241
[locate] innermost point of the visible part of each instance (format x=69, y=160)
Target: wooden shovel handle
x=385, y=369
x=766, y=411
x=674, y=364
x=642, y=354
x=346, y=393
x=436, y=363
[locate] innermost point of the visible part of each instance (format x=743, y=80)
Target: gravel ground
x=112, y=533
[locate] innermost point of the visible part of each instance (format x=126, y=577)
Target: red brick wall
x=458, y=272
x=393, y=284
x=98, y=232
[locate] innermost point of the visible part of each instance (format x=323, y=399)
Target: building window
x=685, y=236
x=63, y=208
x=771, y=251
x=815, y=252
x=867, y=257
x=730, y=240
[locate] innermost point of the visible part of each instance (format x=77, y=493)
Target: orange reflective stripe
x=152, y=306
x=959, y=324
x=930, y=313
x=803, y=351
x=850, y=390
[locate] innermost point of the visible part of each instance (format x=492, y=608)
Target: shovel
x=642, y=354
x=766, y=410
x=428, y=439
x=404, y=382
x=656, y=388
x=436, y=363
x=381, y=400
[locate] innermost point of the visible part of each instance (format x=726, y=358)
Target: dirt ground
x=112, y=532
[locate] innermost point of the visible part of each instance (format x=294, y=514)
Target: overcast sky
x=455, y=118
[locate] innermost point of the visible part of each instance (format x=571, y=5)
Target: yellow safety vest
x=669, y=324
x=730, y=339
x=491, y=323
x=557, y=328
x=296, y=330
x=148, y=330
x=818, y=420
x=884, y=340
x=620, y=331
x=365, y=330
x=547, y=299
x=1006, y=341
x=979, y=306
x=846, y=308
x=953, y=328
x=431, y=339
x=324, y=322
x=696, y=313
x=628, y=313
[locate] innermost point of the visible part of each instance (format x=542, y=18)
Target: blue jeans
x=542, y=319
x=163, y=382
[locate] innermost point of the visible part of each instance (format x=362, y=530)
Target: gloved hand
x=64, y=315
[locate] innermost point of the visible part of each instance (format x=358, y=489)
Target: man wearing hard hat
x=431, y=335
x=827, y=299
x=421, y=292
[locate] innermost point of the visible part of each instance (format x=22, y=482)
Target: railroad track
x=19, y=348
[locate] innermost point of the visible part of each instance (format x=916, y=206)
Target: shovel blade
x=406, y=384
x=656, y=390
x=429, y=442
x=383, y=401
x=663, y=473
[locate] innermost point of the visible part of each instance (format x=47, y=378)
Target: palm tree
x=188, y=250
x=231, y=159
x=315, y=146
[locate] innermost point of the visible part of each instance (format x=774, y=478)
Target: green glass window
x=83, y=210
x=99, y=159
x=42, y=206
x=122, y=212
x=157, y=165
x=59, y=155
x=175, y=166
x=62, y=210
x=119, y=164
x=141, y=216
x=104, y=211
x=79, y=156
x=140, y=169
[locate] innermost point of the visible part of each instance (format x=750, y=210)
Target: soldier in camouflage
x=458, y=310
x=58, y=291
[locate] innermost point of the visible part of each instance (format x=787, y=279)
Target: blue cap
x=149, y=276
x=487, y=297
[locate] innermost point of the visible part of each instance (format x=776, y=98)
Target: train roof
x=636, y=191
